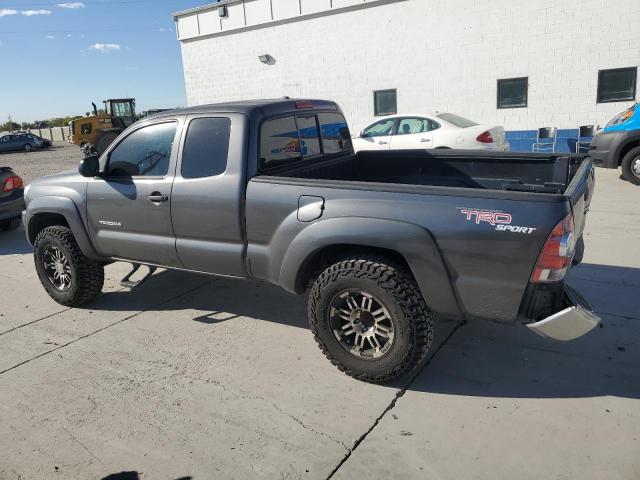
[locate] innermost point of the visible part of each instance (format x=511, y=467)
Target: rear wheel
x=104, y=141
x=369, y=319
x=69, y=277
x=631, y=166
x=27, y=147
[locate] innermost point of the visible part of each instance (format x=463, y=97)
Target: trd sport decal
x=500, y=220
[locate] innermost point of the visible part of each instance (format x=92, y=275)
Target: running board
x=126, y=282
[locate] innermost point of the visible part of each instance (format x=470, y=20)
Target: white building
x=521, y=64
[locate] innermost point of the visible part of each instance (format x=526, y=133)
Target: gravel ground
x=62, y=156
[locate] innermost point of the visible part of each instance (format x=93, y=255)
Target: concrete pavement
x=193, y=376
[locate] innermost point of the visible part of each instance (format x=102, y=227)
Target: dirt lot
x=29, y=166
x=197, y=377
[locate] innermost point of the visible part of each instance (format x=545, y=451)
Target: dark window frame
x=526, y=93
x=615, y=70
x=376, y=113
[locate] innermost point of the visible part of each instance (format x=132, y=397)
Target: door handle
x=382, y=143
x=425, y=140
x=157, y=197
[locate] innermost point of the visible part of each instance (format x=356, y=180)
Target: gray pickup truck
x=384, y=243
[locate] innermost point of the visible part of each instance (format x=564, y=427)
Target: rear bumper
x=575, y=320
x=12, y=206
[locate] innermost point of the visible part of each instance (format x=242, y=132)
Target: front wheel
x=631, y=166
x=370, y=319
x=69, y=277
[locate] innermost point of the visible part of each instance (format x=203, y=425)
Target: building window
x=617, y=85
x=513, y=92
x=385, y=102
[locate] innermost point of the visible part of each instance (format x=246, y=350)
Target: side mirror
x=89, y=166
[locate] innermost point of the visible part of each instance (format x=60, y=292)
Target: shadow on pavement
x=222, y=299
x=14, y=242
x=480, y=359
x=133, y=476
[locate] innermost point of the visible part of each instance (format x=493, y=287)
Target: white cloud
x=50, y=37
x=72, y=5
x=7, y=11
x=31, y=13
x=105, y=47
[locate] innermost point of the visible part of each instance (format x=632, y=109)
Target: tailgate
x=580, y=191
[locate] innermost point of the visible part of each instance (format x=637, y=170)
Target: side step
x=126, y=282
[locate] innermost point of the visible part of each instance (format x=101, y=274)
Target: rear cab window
x=206, y=147
x=302, y=136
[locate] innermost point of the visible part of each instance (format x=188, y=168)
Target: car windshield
x=457, y=120
x=621, y=117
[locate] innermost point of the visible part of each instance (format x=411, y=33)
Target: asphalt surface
x=198, y=377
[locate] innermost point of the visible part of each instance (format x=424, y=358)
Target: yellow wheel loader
x=100, y=129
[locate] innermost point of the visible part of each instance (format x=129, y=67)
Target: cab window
x=146, y=152
x=206, y=147
x=335, y=133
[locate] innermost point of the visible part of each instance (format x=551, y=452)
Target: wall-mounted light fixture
x=267, y=59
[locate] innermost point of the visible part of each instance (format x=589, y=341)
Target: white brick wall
x=438, y=54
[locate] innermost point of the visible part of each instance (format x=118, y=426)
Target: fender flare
x=632, y=136
x=413, y=242
x=67, y=208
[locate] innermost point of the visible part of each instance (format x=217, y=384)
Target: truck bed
x=536, y=173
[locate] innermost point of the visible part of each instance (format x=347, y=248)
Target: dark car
x=12, y=142
x=11, y=199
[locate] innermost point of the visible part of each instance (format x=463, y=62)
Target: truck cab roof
x=267, y=107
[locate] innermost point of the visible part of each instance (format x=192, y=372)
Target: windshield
x=457, y=120
x=621, y=117
x=122, y=109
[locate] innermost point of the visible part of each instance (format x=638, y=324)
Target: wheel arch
x=48, y=211
x=408, y=244
x=627, y=147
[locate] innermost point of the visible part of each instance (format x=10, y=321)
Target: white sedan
x=440, y=130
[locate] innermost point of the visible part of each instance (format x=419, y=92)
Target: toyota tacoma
x=384, y=243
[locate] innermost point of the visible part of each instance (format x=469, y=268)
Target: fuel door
x=310, y=208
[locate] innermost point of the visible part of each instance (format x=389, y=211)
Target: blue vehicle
x=25, y=141
x=618, y=144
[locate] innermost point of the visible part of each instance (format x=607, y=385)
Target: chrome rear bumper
x=577, y=319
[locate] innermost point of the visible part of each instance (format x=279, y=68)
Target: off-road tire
x=629, y=159
x=10, y=224
x=395, y=287
x=87, y=276
x=104, y=141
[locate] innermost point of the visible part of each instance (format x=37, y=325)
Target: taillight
x=485, y=137
x=557, y=253
x=12, y=183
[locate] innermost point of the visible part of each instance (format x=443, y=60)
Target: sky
x=57, y=56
